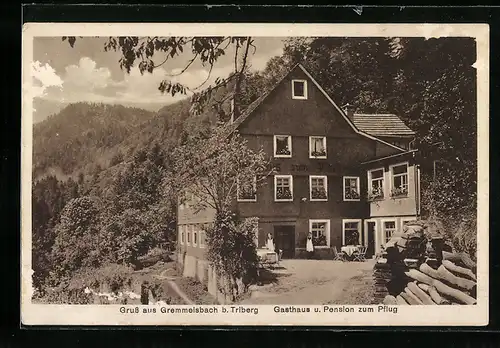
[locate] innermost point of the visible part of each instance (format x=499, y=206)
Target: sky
x=63, y=75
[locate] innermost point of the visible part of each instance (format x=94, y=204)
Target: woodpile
x=452, y=282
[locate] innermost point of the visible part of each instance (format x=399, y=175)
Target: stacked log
x=381, y=279
x=452, y=282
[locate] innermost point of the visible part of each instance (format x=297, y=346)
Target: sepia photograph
x=332, y=172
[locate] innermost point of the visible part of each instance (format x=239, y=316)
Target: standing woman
x=309, y=246
x=270, y=242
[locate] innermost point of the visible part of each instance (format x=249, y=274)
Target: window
x=247, y=190
x=389, y=229
x=317, y=147
x=318, y=188
x=351, y=232
x=195, y=235
x=299, y=89
x=282, y=146
x=351, y=188
x=188, y=233
x=181, y=234
x=203, y=235
x=376, y=184
x=320, y=230
x=399, y=180
x=283, y=188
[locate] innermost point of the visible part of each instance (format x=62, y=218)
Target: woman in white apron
x=270, y=242
x=309, y=246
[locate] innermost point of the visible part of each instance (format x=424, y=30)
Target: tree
x=77, y=243
x=438, y=86
x=210, y=170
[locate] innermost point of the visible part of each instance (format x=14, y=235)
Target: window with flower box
x=399, y=180
x=283, y=146
x=376, y=184
x=351, y=232
x=247, y=190
x=299, y=89
x=317, y=147
x=389, y=229
x=320, y=230
x=283, y=188
x=318, y=188
x=351, y=188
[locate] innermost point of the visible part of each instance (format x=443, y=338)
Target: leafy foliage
x=232, y=251
x=49, y=198
x=77, y=243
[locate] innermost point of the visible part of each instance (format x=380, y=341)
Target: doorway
x=370, y=230
x=284, y=237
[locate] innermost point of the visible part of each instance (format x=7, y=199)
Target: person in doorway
x=270, y=242
x=309, y=246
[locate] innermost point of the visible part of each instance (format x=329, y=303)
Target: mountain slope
x=80, y=137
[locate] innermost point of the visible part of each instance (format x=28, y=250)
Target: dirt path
x=315, y=282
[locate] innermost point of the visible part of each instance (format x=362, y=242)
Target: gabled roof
x=381, y=125
x=254, y=105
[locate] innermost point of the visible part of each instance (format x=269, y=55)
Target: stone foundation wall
x=202, y=271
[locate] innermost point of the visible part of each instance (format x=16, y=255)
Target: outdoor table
x=349, y=250
x=262, y=254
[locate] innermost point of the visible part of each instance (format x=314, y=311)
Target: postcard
x=255, y=174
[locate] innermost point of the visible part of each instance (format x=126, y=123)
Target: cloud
x=44, y=76
x=86, y=81
x=86, y=75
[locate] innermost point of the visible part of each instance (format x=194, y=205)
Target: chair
x=360, y=255
x=338, y=256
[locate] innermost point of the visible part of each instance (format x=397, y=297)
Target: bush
x=232, y=252
x=116, y=277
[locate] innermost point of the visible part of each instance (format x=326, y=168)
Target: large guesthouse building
x=347, y=178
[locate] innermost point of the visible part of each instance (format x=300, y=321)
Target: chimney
x=349, y=110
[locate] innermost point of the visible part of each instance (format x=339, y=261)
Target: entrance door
x=370, y=238
x=284, y=237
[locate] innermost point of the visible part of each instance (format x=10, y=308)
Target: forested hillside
x=79, y=138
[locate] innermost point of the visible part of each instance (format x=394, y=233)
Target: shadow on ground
x=270, y=276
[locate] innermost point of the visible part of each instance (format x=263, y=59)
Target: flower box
x=399, y=192
x=283, y=151
x=351, y=194
x=283, y=193
x=375, y=194
x=321, y=153
x=318, y=194
x=247, y=194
